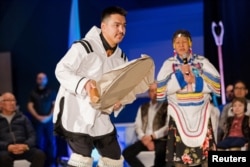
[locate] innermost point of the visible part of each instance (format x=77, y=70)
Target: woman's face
x=238, y=108
x=182, y=45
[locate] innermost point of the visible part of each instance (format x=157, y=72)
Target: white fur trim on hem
x=107, y=162
x=78, y=160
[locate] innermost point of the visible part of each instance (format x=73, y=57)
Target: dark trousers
x=106, y=145
x=35, y=156
x=229, y=142
x=46, y=141
x=133, y=150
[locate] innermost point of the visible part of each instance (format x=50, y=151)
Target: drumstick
x=94, y=95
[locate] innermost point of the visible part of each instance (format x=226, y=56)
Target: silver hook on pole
x=218, y=38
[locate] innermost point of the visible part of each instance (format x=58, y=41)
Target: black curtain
x=234, y=16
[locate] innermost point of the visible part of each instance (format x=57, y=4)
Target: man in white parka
x=75, y=119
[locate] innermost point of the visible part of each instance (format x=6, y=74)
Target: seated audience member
x=240, y=91
x=151, y=129
x=237, y=128
x=17, y=136
x=229, y=95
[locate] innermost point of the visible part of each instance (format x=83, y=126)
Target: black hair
x=182, y=32
x=113, y=10
x=240, y=81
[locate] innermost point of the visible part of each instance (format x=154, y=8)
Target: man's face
x=114, y=28
x=41, y=80
x=240, y=90
x=8, y=103
x=229, y=92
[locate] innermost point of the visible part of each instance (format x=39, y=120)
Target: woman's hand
x=187, y=73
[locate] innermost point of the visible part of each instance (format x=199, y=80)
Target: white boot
x=107, y=162
x=78, y=160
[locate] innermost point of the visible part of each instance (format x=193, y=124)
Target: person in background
x=236, y=128
x=17, y=135
x=83, y=126
x=187, y=81
x=40, y=106
x=229, y=95
x=151, y=130
x=240, y=91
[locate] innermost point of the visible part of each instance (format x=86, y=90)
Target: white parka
x=73, y=71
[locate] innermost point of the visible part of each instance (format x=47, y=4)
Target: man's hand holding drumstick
x=92, y=91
